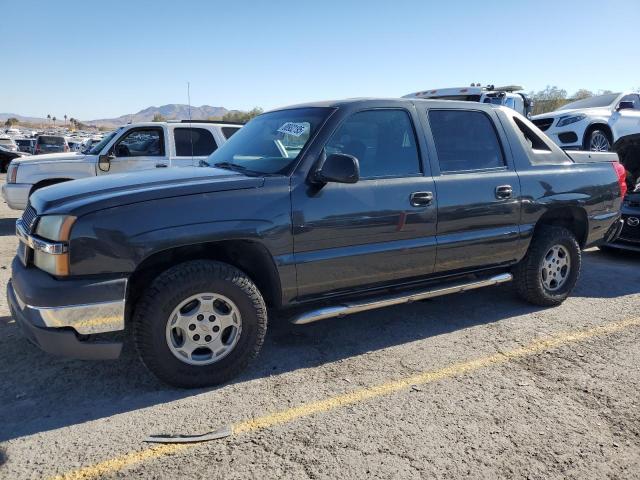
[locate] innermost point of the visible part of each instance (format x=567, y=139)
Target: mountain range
x=172, y=111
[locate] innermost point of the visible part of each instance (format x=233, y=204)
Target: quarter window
x=465, y=140
x=197, y=142
x=383, y=141
x=229, y=131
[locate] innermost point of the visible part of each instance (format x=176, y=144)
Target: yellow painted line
x=333, y=403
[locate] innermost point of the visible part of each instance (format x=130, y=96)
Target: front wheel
x=549, y=271
x=598, y=141
x=199, y=324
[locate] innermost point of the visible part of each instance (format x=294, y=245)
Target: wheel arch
x=597, y=125
x=47, y=183
x=572, y=218
x=251, y=257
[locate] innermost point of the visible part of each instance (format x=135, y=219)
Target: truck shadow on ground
x=39, y=392
x=7, y=226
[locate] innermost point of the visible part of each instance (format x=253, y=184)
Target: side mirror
x=338, y=168
x=104, y=162
x=626, y=105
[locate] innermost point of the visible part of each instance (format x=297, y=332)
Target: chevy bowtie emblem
x=633, y=221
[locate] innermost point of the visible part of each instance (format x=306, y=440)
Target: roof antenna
x=190, y=125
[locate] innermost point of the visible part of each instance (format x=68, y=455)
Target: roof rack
x=213, y=121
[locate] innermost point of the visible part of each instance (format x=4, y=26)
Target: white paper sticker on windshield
x=292, y=128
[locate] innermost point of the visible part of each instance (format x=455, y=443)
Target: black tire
x=596, y=136
x=4, y=166
x=528, y=273
x=165, y=294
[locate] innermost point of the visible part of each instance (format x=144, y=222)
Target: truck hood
x=51, y=157
x=80, y=197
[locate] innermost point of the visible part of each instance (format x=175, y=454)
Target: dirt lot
x=476, y=385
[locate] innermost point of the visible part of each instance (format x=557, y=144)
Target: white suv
x=138, y=146
x=593, y=123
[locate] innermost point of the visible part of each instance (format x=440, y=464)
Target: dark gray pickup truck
x=309, y=212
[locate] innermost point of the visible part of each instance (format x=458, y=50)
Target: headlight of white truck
x=569, y=119
x=53, y=257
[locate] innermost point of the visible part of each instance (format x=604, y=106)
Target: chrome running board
x=387, y=301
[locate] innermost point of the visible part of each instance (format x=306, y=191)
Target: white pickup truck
x=593, y=123
x=138, y=146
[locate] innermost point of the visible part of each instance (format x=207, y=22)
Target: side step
x=387, y=301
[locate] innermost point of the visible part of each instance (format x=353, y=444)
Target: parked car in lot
x=8, y=143
x=26, y=145
x=50, y=144
x=139, y=146
x=6, y=156
x=593, y=123
x=628, y=150
x=313, y=211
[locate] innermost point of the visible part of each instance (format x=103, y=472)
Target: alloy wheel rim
x=203, y=329
x=599, y=143
x=556, y=267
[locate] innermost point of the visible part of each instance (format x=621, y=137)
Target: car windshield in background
x=271, y=142
x=592, y=102
x=44, y=140
x=97, y=148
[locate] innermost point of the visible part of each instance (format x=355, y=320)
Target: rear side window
x=229, y=131
x=383, y=141
x=465, y=140
x=533, y=140
x=199, y=138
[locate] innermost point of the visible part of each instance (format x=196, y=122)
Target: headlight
x=55, y=227
x=53, y=258
x=12, y=173
x=570, y=119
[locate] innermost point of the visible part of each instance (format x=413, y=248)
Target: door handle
x=504, y=191
x=421, y=199
x=161, y=165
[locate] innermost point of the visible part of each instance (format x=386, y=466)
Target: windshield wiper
x=233, y=166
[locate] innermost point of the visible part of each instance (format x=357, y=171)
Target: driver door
x=139, y=149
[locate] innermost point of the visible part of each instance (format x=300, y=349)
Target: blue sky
x=101, y=59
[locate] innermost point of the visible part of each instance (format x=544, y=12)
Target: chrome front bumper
x=85, y=319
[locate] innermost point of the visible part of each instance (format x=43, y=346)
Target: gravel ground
x=568, y=411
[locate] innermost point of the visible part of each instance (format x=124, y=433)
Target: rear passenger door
x=192, y=145
x=378, y=230
x=477, y=189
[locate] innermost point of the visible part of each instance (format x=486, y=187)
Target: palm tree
x=65, y=119
x=48, y=116
x=54, y=121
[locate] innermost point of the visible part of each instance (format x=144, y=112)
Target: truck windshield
x=271, y=142
x=97, y=148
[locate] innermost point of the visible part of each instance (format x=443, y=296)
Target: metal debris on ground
x=179, y=438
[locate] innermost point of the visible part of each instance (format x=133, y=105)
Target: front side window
x=383, y=141
x=196, y=142
x=635, y=98
x=271, y=142
x=143, y=142
x=465, y=140
x=95, y=149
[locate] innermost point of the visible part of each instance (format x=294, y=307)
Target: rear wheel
x=549, y=271
x=199, y=324
x=598, y=141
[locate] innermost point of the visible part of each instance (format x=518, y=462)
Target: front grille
x=629, y=232
x=543, y=123
x=29, y=217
